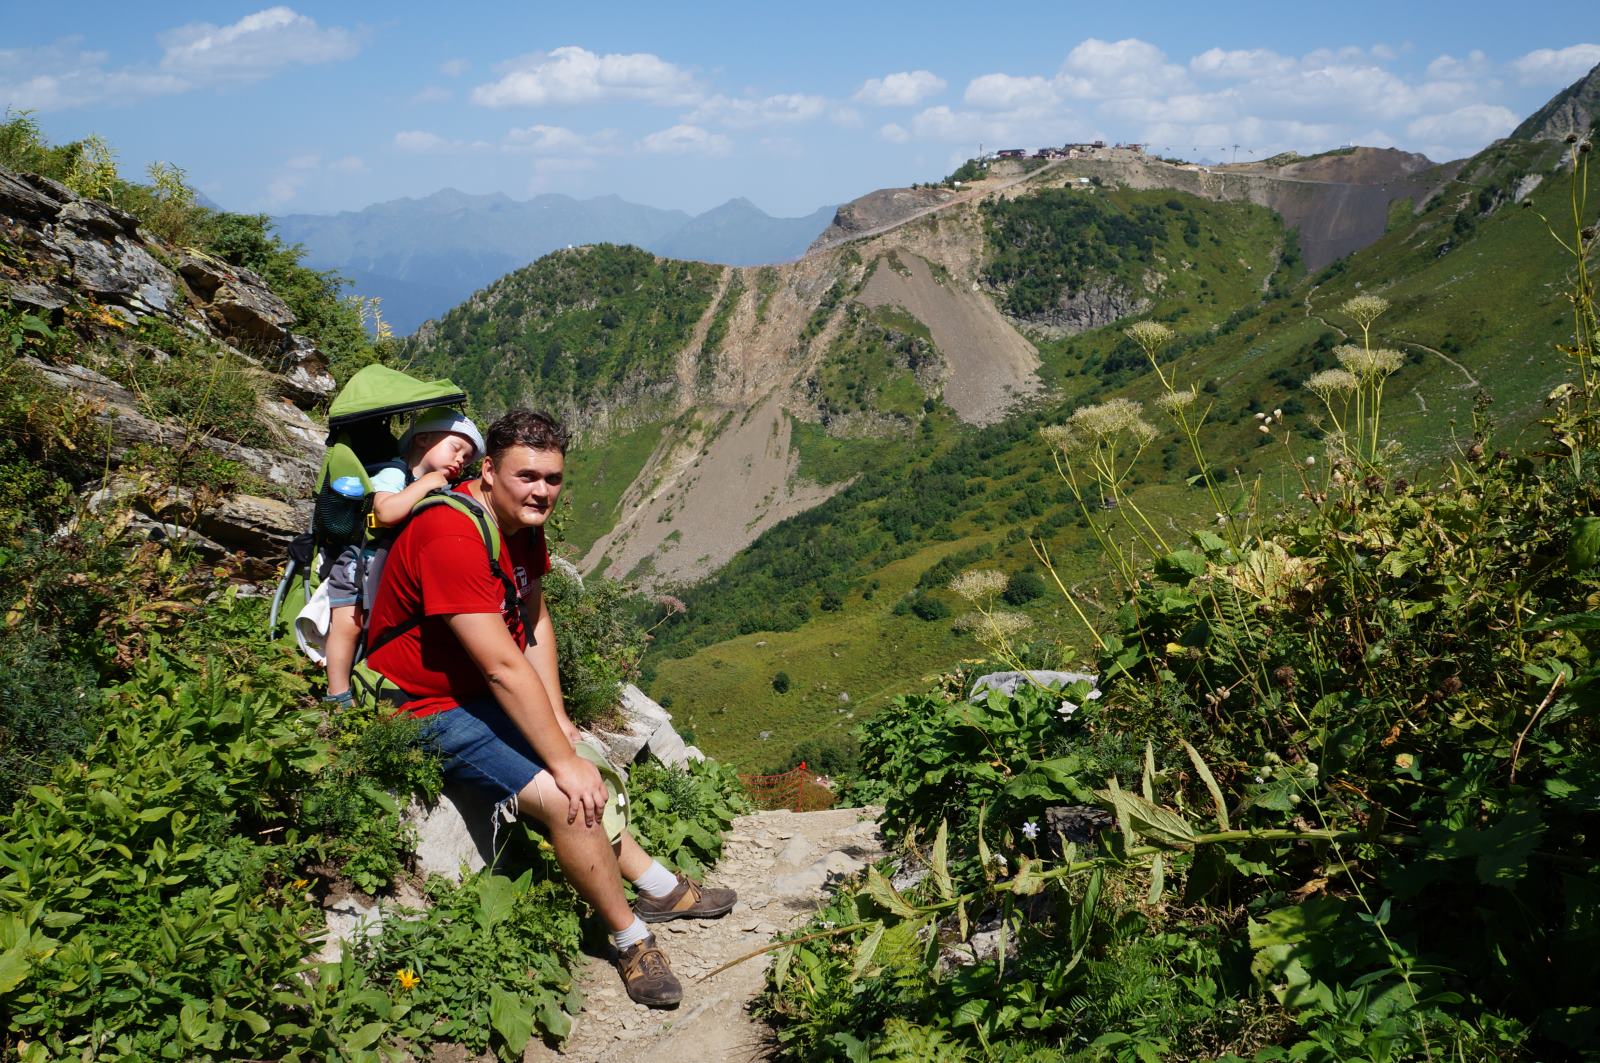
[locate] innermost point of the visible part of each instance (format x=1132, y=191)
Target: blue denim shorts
x=483, y=748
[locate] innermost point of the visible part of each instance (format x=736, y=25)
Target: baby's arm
x=392, y=507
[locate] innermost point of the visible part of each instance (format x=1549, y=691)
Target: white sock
x=657, y=882
x=630, y=935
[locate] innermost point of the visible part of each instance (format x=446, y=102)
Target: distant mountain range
x=424, y=256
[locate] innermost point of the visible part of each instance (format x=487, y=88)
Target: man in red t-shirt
x=474, y=651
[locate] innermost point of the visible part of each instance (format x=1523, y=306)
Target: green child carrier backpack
x=359, y=436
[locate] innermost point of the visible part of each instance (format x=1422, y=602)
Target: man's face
x=523, y=485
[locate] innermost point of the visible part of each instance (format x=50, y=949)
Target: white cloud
x=1097, y=69
x=348, y=164
x=1556, y=67
x=750, y=113
x=905, y=89
x=253, y=47
x=1236, y=65
x=894, y=133
x=63, y=75
x=683, y=139
x=286, y=184
x=433, y=94
x=454, y=68
x=1465, y=128
x=1448, y=67
x=1003, y=92
x=423, y=142
x=558, y=140
x=576, y=75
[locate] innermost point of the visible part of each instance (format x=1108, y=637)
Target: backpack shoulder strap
x=465, y=504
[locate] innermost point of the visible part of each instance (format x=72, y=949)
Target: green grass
x=597, y=476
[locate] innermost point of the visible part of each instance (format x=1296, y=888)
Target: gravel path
x=781, y=863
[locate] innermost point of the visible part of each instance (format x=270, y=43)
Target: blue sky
x=322, y=106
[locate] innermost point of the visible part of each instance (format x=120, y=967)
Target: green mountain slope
x=850, y=598
x=574, y=329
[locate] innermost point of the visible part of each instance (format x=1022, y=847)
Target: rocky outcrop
x=1090, y=307
x=1571, y=112
x=68, y=253
x=72, y=251
x=876, y=209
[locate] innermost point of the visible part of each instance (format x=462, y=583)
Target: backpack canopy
x=377, y=391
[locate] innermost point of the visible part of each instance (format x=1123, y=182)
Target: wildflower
x=1006, y=624
x=1403, y=761
x=407, y=978
x=1365, y=308
x=1030, y=830
x=1368, y=364
x=1107, y=420
x=672, y=605
x=300, y=883
x=1311, y=459
x=978, y=584
x=1330, y=381
x=1149, y=335
x=1181, y=399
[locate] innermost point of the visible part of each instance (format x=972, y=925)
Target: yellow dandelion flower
x=407, y=978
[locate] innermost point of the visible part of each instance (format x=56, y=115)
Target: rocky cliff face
x=81, y=264
x=1572, y=112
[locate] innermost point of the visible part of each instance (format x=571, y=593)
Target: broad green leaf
x=511, y=1016
x=940, y=866
x=1147, y=782
x=882, y=890
x=1210, y=780
x=866, y=950
x=1158, y=880
x=1148, y=819
x=365, y=1037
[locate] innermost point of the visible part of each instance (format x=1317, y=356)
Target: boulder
x=238, y=302
x=459, y=833
x=303, y=376
x=646, y=728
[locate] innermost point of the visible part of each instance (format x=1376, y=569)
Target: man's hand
x=580, y=782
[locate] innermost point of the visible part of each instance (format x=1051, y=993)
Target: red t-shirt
x=438, y=566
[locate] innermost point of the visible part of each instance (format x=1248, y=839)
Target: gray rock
x=797, y=852
x=646, y=728
x=458, y=833
x=302, y=370
x=1010, y=682
x=238, y=302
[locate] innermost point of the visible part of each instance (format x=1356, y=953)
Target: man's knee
x=543, y=801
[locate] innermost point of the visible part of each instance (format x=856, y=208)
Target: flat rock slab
x=713, y=1023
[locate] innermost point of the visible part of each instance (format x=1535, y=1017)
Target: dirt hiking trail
x=780, y=862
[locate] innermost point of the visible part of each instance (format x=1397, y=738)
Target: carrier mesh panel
x=337, y=519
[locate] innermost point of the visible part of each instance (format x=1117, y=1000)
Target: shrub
x=780, y=682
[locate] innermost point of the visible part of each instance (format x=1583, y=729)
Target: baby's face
x=446, y=452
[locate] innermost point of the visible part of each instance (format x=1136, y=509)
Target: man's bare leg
x=584, y=853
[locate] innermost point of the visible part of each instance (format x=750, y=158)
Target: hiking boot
x=647, y=976
x=687, y=901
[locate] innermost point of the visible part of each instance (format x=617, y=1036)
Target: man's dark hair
x=526, y=428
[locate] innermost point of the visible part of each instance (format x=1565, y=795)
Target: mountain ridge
x=423, y=255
